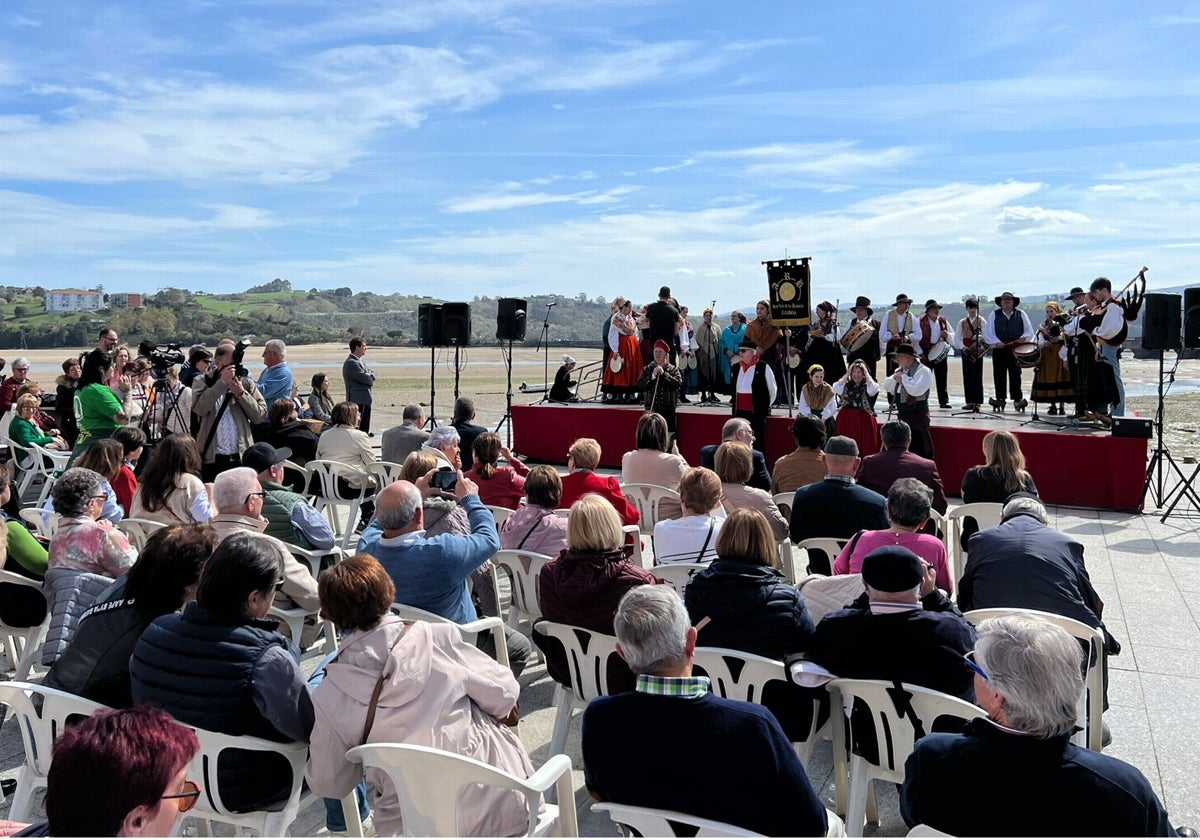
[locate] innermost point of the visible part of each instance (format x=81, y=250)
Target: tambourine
x=794, y=361
x=689, y=361
x=616, y=363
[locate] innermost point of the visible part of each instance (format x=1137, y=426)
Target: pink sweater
x=928, y=548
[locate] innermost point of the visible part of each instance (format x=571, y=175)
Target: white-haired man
x=1018, y=765
x=433, y=573
x=745, y=770
x=275, y=383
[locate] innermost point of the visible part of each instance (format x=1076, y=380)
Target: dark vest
x=1009, y=329
x=758, y=389
x=277, y=508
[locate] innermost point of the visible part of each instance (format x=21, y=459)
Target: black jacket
x=96, y=663
x=753, y=609
x=760, y=478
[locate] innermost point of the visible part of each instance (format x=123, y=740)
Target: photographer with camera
x=228, y=404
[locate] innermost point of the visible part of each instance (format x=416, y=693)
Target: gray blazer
x=399, y=441
x=358, y=379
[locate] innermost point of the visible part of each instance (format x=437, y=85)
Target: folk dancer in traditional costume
x=817, y=398
x=1075, y=340
x=685, y=342
x=1007, y=327
x=896, y=328
x=661, y=383
x=868, y=354
x=1108, y=323
x=972, y=347
x=823, y=348
x=620, y=385
x=768, y=341
x=936, y=334
x=1051, y=378
x=708, y=357
x=731, y=339
x=910, y=386
x=755, y=390
x=856, y=417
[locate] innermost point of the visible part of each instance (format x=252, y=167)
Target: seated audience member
x=221, y=665
x=693, y=537
x=104, y=458
x=892, y=637
x=836, y=506
x=734, y=464
x=320, y=402
x=445, y=445
x=133, y=764
x=742, y=601
x=23, y=555
x=500, y=486
x=879, y=472
x=133, y=441
x=288, y=431
x=345, y=443
x=431, y=573
x=400, y=441
x=805, y=465
x=653, y=462
x=738, y=430
x=83, y=541
x=1019, y=763
x=170, y=490
x=535, y=526
x=96, y=663
x=423, y=685
x=754, y=779
x=24, y=431
x=1002, y=474
x=289, y=515
x=582, y=459
x=584, y=584
x=463, y=423
x=908, y=504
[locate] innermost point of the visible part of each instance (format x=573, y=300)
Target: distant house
x=73, y=300
x=124, y=300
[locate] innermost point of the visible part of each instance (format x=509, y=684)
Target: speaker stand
x=544, y=346
x=506, y=420
x=457, y=371
x=432, y=422
x=1162, y=459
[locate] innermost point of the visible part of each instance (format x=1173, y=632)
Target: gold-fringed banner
x=789, y=285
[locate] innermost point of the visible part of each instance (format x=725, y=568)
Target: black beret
x=892, y=568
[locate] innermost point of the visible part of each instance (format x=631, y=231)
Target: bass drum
x=937, y=353
x=857, y=336
x=1026, y=354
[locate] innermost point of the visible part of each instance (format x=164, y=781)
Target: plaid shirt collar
x=845, y=479
x=690, y=687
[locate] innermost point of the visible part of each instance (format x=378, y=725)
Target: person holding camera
x=228, y=404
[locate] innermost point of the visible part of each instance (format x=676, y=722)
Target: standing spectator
x=582, y=459
x=535, y=526
x=98, y=410
x=275, y=383
x=464, y=423
x=399, y=441
x=8, y=390
x=64, y=401
x=199, y=359
x=108, y=340
x=653, y=463
x=228, y=405
x=501, y=486
x=359, y=381
x=320, y=401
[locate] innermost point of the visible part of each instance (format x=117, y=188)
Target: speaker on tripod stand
x=510, y=327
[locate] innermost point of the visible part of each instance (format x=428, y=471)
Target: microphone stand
x=543, y=346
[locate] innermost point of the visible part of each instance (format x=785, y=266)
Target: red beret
x=662, y=345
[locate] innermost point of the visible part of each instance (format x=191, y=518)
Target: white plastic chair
x=42, y=521
x=34, y=458
x=523, y=568
x=828, y=546
x=330, y=500
x=987, y=514
x=137, y=531
x=1091, y=700
x=295, y=476
x=635, y=821
x=942, y=522
x=587, y=657
x=500, y=514
x=315, y=557
x=824, y=594
x=21, y=644
x=783, y=501
x=385, y=472
x=922, y=830
x=428, y=782
x=38, y=733
x=211, y=807
x=647, y=498
x=894, y=735
x=633, y=536
x=470, y=631
x=677, y=575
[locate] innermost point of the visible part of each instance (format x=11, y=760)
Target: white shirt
x=745, y=381
x=905, y=323
x=989, y=329
x=916, y=385
x=682, y=540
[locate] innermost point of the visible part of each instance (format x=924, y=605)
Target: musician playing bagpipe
x=936, y=338
x=1108, y=322
x=1007, y=329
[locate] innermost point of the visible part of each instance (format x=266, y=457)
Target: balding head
x=398, y=508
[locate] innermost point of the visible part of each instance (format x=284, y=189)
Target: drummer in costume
x=754, y=391
x=818, y=399
x=768, y=339
x=1007, y=327
x=661, y=382
x=823, y=348
x=863, y=343
x=896, y=328
x=936, y=340
x=1051, y=378
x=619, y=384
x=731, y=338
x=910, y=386
x=972, y=347
x=856, y=417
x=1108, y=325
x=708, y=356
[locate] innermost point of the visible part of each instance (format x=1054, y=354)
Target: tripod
x=1162, y=456
x=507, y=418
x=432, y=422
x=543, y=346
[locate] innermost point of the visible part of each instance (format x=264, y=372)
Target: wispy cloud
x=512, y=200
x=1025, y=220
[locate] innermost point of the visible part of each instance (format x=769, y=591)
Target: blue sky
x=495, y=147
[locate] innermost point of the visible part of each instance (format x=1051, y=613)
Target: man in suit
x=878, y=471
x=837, y=506
x=359, y=380
x=400, y=441
x=739, y=430
x=582, y=459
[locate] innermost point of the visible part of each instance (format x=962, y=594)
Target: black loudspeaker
x=1133, y=427
x=456, y=324
x=510, y=319
x=1191, y=317
x=1160, y=323
x=429, y=325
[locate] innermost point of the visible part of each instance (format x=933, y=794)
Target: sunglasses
x=187, y=798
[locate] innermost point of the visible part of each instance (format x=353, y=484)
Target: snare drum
x=857, y=336
x=937, y=353
x=1026, y=354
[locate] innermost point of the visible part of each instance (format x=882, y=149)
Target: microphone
x=553, y=302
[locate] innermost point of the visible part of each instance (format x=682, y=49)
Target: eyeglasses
x=279, y=585
x=969, y=658
x=249, y=496
x=102, y=497
x=187, y=798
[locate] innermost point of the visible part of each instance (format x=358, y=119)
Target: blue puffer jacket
x=752, y=607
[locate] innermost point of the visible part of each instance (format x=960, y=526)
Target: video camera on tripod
x=161, y=357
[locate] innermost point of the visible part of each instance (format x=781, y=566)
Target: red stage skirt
x=860, y=425
x=627, y=379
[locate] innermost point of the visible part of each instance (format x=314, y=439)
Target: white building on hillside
x=73, y=300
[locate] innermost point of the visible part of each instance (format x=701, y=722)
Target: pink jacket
x=928, y=548
x=535, y=529
x=438, y=692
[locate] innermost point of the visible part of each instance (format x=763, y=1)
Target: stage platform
x=1079, y=466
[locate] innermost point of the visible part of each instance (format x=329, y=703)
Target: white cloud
x=1024, y=220
x=511, y=200
x=594, y=69
x=840, y=159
